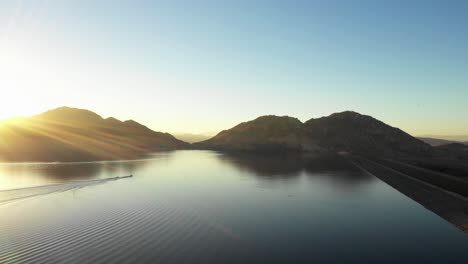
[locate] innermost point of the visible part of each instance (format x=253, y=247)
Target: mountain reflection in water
x=332, y=169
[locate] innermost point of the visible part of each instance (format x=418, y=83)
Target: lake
x=211, y=207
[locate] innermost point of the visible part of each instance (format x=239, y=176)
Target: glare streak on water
x=207, y=207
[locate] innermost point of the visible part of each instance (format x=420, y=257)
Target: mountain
x=266, y=133
x=70, y=134
x=346, y=131
x=436, y=141
x=351, y=131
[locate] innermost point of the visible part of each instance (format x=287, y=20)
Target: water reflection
x=268, y=166
x=332, y=169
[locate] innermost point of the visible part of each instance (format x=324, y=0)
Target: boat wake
x=29, y=192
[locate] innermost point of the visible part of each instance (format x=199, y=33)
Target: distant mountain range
x=70, y=134
x=346, y=131
x=439, y=142
x=192, y=138
x=457, y=138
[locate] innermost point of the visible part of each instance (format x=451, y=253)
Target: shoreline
x=450, y=206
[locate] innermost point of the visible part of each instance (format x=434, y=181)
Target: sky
x=203, y=66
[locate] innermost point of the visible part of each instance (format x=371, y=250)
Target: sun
x=13, y=112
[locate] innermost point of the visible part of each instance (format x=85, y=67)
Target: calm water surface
x=208, y=207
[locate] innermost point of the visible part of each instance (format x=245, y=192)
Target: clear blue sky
x=202, y=66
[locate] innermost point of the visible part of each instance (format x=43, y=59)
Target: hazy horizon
x=185, y=68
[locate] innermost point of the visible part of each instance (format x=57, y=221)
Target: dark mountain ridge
x=347, y=131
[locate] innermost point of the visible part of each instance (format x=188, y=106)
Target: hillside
x=70, y=134
x=453, y=148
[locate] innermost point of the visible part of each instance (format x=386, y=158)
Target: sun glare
x=19, y=83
